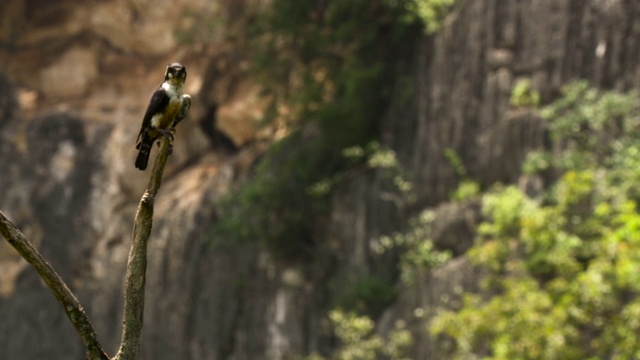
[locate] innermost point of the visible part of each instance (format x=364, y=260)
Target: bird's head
x=176, y=74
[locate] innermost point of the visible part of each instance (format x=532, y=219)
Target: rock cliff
x=74, y=85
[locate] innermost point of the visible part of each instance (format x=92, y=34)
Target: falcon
x=168, y=106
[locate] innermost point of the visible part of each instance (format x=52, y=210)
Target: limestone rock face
x=71, y=74
x=120, y=23
x=465, y=76
x=466, y=73
x=49, y=164
x=67, y=179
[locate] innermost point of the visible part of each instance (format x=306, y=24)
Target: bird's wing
x=159, y=101
x=186, y=105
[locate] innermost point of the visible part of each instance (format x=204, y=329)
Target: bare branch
x=137, y=264
x=65, y=297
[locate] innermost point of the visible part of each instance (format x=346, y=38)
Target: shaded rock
x=47, y=196
x=239, y=118
x=464, y=76
x=120, y=24
x=69, y=184
x=238, y=101
x=8, y=101
x=418, y=303
x=506, y=146
x=454, y=226
x=71, y=74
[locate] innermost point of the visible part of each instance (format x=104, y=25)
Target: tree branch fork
x=135, y=278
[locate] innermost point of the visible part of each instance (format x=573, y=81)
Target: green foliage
x=467, y=188
x=524, y=94
x=278, y=207
x=385, y=160
x=327, y=69
x=418, y=253
x=455, y=161
x=564, y=272
x=360, y=342
x=375, y=157
x=536, y=161
x=430, y=12
x=369, y=295
x=595, y=126
x=328, y=63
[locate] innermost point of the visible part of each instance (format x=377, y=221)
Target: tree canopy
x=563, y=268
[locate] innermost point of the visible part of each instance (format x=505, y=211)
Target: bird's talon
x=167, y=133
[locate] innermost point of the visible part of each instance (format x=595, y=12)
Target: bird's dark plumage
x=166, y=103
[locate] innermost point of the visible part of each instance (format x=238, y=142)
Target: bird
x=168, y=106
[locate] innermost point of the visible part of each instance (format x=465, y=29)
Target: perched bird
x=167, y=107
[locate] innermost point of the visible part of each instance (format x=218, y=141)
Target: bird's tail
x=144, y=147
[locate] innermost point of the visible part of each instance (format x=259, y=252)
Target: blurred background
x=363, y=179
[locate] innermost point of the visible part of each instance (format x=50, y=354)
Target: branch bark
x=137, y=264
x=65, y=297
x=135, y=277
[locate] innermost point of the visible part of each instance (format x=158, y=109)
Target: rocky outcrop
x=68, y=182
x=466, y=73
x=465, y=76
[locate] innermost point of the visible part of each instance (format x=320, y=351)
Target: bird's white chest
x=173, y=91
x=166, y=117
